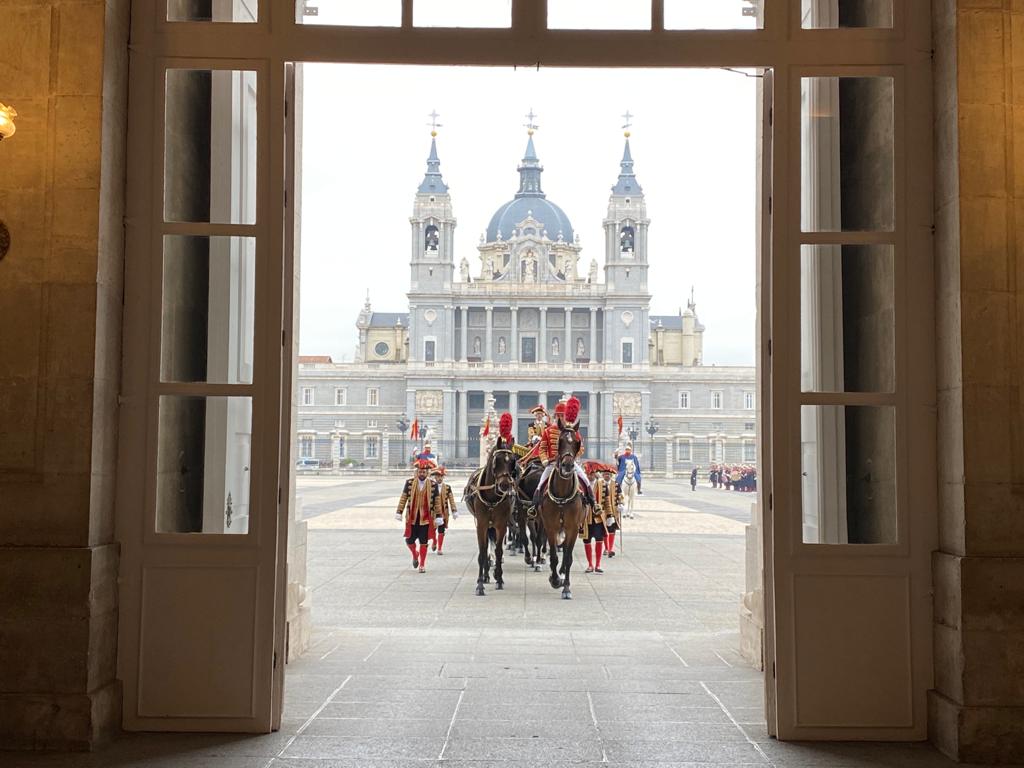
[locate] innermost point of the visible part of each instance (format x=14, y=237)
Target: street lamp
x=403, y=424
x=652, y=430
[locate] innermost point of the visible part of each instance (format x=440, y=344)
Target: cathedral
x=526, y=320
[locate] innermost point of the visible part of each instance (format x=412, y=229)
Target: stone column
x=592, y=428
x=542, y=340
x=447, y=441
x=462, y=430
x=592, y=352
x=488, y=357
x=669, y=457
x=514, y=336
x=464, y=352
x=542, y=398
x=384, y=447
x=977, y=707
x=513, y=408
x=568, y=345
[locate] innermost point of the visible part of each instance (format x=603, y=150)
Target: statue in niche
x=531, y=271
x=581, y=351
x=554, y=347
x=501, y=345
x=593, y=271
x=464, y=269
x=476, y=346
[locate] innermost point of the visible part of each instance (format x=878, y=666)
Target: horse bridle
x=501, y=494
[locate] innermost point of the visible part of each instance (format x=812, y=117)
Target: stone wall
x=977, y=707
x=63, y=66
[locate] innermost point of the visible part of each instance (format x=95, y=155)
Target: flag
x=415, y=431
x=620, y=423
x=487, y=427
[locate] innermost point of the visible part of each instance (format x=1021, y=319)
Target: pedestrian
x=693, y=479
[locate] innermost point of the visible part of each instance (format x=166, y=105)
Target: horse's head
x=503, y=468
x=568, y=448
x=630, y=469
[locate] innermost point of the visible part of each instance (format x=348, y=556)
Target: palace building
x=526, y=320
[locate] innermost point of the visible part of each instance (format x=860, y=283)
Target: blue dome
x=551, y=217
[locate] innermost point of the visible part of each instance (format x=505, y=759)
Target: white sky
x=366, y=140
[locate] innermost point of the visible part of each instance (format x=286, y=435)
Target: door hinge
x=282, y=337
x=773, y=669
x=286, y=198
x=275, y=659
x=771, y=113
x=770, y=502
x=279, y=495
x=769, y=205
x=769, y=347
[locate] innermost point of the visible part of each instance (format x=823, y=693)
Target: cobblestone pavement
x=409, y=670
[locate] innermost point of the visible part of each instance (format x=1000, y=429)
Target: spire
x=530, y=168
x=627, y=183
x=432, y=182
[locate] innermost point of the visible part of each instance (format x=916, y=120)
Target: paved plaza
x=409, y=670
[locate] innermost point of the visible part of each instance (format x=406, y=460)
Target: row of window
x=716, y=400
x=716, y=451
x=371, y=446
x=340, y=396
x=373, y=398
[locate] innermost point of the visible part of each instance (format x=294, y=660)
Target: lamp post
x=652, y=430
x=403, y=427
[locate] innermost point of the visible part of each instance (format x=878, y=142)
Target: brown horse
x=561, y=509
x=489, y=495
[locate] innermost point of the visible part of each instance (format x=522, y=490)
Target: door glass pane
x=210, y=146
x=847, y=324
x=458, y=13
x=846, y=151
x=212, y=10
x=714, y=14
x=834, y=14
x=599, y=14
x=203, y=471
x=349, y=13
x=848, y=474
x=208, y=300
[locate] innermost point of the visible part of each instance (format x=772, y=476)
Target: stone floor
x=409, y=670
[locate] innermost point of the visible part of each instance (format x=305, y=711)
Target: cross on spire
x=434, y=125
x=530, y=125
x=629, y=122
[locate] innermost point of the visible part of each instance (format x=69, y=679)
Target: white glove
x=438, y=521
x=611, y=520
x=620, y=508
x=455, y=515
x=398, y=515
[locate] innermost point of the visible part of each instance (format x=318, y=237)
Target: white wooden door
x=852, y=407
x=200, y=454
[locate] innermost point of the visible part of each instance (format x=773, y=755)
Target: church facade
x=528, y=322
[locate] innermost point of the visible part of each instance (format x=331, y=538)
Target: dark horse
x=490, y=494
x=561, y=509
x=529, y=517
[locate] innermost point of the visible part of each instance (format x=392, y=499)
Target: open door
x=199, y=448
x=850, y=603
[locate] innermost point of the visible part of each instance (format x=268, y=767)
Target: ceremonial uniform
x=610, y=498
x=595, y=529
x=448, y=509
x=420, y=508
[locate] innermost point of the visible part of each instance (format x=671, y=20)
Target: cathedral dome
x=529, y=200
x=551, y=217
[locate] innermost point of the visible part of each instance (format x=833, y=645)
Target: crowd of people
x=734, y=477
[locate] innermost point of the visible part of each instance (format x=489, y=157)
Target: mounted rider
x=626, y=458
x=448, y=508
x=427, y=454
x=420, y=508
x=566, y=417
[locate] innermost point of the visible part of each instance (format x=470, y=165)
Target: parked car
x=307, y=463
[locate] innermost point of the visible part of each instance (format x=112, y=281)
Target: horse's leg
x=499, y=583
x=568, y=547
x=481, y=558
x=555, y=580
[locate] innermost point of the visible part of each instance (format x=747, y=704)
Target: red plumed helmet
x=572, y=410
x=505, y=426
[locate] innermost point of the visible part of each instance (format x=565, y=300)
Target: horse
x=489, y=496
x=529, y=518
x=561, y=509
x=629, y=488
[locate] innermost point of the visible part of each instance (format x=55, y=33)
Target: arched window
x=626, y=239
x=431, y=238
